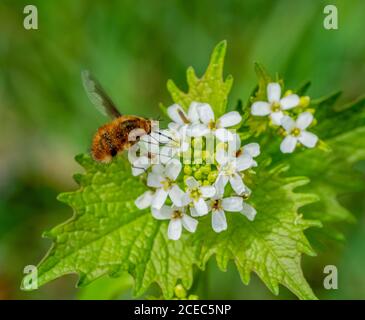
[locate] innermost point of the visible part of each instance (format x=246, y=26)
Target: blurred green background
x=134, y=47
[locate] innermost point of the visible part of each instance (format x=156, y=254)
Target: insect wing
x=98, y=96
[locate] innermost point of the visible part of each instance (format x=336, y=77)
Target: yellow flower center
x=295, y=132
x=275, y=107
x=177, y=214
x=166, y=184
x=229, y=169
x=212, y=125
x=195, y=194
x=216, y=204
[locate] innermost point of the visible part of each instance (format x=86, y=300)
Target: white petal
x=193, y=212
x=177, y=114
x=191, y=183
x=162, y=214
x=206, y=113
x=158, y=169
x=244, y=162
x=176, y=195
x=193, y=113
x=173, y=126
x=276, y=117
x=308, y=139
x=260, y=108
x=148, y=146
x=288, y=144
x=173, y=168
x=253, y=149
x=288, y=123
x=189, y=223
x=144, y=200
x=224, y=135
x=220, y=183
x=186, y=199
x=159, y=198
x=132, y=152
x=166, y=154
x=154, y=180
x=201, y=207
x=221, y=156
x=230, y=119
x=142, y=162
x=237, y=184
x=198, y=130
x=248, y=211
x=232, y=204
x=137, y=171
x=273, y=92
x=235, y=144
x=174, y=229
x=207, y=191
x=304, y=120
x=219, y=222
x=184, y=146
x=289, y=101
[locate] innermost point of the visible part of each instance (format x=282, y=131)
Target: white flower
x=163, y=178
x=296, y=132
x=178, y=219
x=196, y=194
x=229, y=169
x=250, y=150
x=218, y=205
x=180, y=118
x=216, y=127
x=275, y=105
x=177, y=144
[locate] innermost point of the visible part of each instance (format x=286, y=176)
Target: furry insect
x=118, y=135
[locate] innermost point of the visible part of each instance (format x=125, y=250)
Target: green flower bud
x=212, y=176
x=288, y=92
x=198, y=174
x=304, y=101
x=180, y=292
x=188, y=170
x=206, y=169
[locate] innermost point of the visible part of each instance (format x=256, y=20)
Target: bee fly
x=122, y=132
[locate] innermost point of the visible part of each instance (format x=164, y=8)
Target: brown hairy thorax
x=118, y=135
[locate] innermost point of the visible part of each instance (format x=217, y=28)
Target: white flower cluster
x=190, y=166
x=275, y=108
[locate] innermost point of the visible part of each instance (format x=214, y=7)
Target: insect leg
x=145, y=170
x=166, y=136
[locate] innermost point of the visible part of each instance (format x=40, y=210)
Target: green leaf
x=106, y=288
x=210, y=88
x=109, y=235
x=263, y=80
x=335, y=121
x=273, y=243
x=332, y=173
